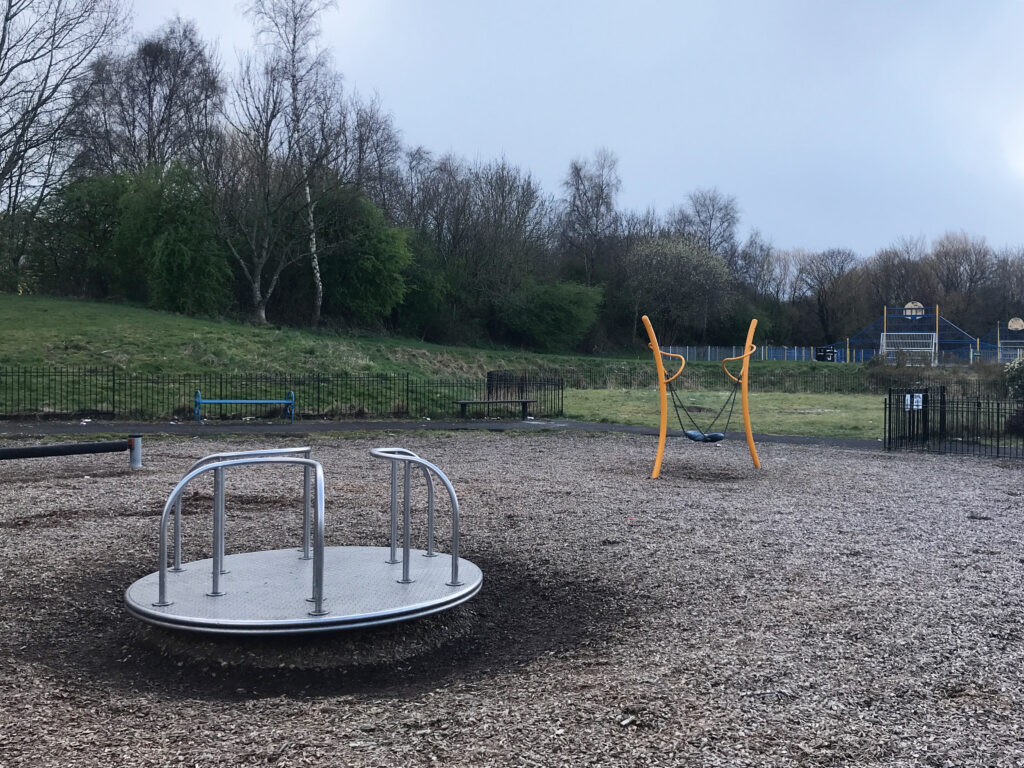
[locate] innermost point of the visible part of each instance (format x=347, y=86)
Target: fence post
x=886, y=428
x=999, y=426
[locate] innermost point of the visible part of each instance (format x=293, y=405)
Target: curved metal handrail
x=682, y=363
x=395, y=455
x=750, y=350
x=218, y=467
x=394, y=503
x=304, y=451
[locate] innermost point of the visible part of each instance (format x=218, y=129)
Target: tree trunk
x=314, y=260
x=259, y=302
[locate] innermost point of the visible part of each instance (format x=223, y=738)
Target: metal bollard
x=135, y=451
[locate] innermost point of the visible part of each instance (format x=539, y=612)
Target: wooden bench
x=524, y=402
x=288, y=403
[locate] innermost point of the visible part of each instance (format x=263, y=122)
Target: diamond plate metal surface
x=267, y=592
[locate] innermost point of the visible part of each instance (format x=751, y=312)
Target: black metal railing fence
x=115, y=394
x=928, y=419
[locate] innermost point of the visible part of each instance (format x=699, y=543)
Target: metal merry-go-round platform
x=309, y=589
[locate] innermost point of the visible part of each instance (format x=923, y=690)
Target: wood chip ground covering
x=836, y=608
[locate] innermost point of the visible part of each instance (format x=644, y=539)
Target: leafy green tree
x=166, y=239
x=425, y=308
x=363, y=260
x=150, y=239
x=72, y=252
x=551, y=316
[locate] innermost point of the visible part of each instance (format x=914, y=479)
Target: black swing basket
x=704, y=437
x=699, y=435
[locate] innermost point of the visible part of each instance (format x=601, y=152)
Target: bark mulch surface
x=836, y=608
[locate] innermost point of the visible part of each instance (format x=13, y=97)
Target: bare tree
x=370, y=153
x=961, y=264
x=416, y=189
x=489, y=227
x=152, y=106
x=590, y=220
x=291, y=30
x=24, y=194
x=1003, y=295
x=634, y=272
x=900, y=273
x=260, y=195
x=450, y=216
x=820, y=277
x=755, y=266
x=683, y=283
x=489, y=223
x=46, y=47
x=711, y=217
x=511, y=229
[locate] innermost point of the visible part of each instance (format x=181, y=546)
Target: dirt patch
x=482, y=637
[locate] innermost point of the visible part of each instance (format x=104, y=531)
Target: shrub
x=551, y=316
x=1014, y=373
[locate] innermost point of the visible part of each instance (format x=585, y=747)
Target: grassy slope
x=55, y=332
x=45, y=331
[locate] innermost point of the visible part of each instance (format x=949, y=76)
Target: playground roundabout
x=836, y=607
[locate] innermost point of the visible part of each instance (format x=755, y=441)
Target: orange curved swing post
x=744, y=381
x=664, y=381
x=662, y=391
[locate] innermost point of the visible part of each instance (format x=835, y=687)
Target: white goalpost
x=905, y=339
x=913, y=348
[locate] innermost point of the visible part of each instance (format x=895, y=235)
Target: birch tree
x=290, y=29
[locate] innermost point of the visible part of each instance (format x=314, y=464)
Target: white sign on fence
x=913, y=402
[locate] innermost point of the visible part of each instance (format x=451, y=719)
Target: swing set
x=699, y=434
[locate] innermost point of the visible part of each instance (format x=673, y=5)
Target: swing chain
x=729, y=401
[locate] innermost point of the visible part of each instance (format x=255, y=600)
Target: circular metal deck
x=268, y=592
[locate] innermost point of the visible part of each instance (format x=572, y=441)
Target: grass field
x=773, y=413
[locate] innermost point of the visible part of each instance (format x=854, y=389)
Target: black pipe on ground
x=133, y=445
x=63, y=449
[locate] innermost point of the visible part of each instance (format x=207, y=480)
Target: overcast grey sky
x=834, y=124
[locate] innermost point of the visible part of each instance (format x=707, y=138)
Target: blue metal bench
x=289, y=404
